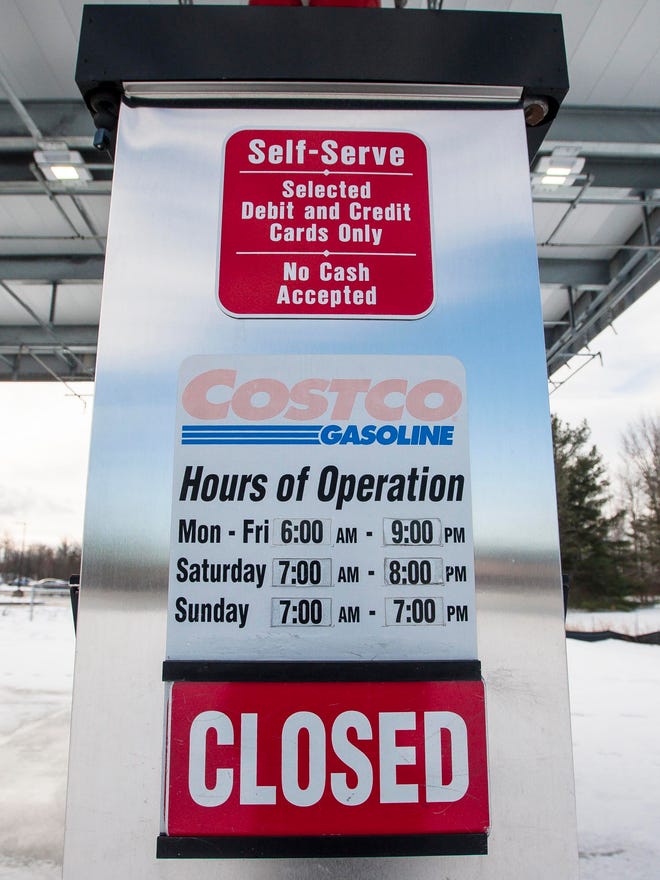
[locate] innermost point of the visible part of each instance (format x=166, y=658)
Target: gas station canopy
x=595, y=168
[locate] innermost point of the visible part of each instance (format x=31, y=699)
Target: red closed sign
x=310, y=759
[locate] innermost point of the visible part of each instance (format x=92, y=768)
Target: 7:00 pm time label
x=419, y=609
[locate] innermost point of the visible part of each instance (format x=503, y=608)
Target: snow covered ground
x=36, y=675
x=615, y=708
x=615, y=697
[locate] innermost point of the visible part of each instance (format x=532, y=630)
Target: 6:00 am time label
x=301, y=531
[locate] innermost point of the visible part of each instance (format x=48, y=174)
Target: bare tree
x=39, y=560
x=641, y=486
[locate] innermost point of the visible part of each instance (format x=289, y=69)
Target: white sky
x=627, y=385
x=44, y=434
x=44, y=444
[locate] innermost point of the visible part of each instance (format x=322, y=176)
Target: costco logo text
x=216, y=395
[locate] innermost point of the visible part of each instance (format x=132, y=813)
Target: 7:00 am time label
x=302, y=572
x=301, y=612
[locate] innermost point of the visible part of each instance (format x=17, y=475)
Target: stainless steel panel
x=158, y=308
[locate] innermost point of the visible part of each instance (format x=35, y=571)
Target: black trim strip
x=146, y=43
x=320, y=847
x=276, y=671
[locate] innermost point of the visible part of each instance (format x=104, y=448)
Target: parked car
x=52, y=584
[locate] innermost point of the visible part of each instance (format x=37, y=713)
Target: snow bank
x=629, y=623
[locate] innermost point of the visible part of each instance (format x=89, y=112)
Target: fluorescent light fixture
x=65, y=172
x=559, y=169
x=62, y=165
x=553, y=179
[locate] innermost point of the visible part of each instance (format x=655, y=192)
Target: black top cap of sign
x=262, y=44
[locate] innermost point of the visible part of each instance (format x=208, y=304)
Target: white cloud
x=44, y=442
x=626, y=386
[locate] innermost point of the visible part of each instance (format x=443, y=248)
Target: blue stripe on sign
x=252, y=435
x=242, y=428
x=259, y=442
x=249, y=434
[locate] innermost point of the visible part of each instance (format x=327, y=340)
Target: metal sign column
x=321, y=474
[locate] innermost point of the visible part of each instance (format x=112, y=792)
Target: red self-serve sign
x=325, y=224
x=349, y=758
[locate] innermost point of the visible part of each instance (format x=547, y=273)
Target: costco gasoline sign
x=321, y=510
x=325, y=224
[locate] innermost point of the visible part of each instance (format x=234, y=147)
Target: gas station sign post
x=321, y=477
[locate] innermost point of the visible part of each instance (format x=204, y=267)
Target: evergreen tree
x=590, y=556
